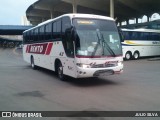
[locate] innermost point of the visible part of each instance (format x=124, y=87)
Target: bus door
x=67, y=38
x=69, y=60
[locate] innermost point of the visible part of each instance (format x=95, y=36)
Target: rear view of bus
x=88, y=46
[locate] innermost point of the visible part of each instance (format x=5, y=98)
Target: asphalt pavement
x=24, y=89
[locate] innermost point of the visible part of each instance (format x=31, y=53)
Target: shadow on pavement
x=86, y=82
x=81, y=82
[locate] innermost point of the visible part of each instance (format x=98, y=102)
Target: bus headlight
x=120, y=63
x=83, y=65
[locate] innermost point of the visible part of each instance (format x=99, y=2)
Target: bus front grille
x=103, y=65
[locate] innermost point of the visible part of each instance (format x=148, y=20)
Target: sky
x=11, y=11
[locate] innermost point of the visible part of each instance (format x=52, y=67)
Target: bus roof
x=141, y=30
x=74, y=15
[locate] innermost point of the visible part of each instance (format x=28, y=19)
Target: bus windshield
x=96, y=38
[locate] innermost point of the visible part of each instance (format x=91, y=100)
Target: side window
x=31, y=36
x=66, y=36
x=58, y=26
x=126, y=35
x=158, y=36
x=134, y=35
x=41, y=33
x=27, y=37
x=48, y=32
x=154, y=36
x=36, y=34
x=66, y=24
x=57, y=30
x=54, y=27
x=24, y=38
x=145, y=36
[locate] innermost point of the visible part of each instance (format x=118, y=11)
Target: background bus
x=76, y=45
x=140, y=42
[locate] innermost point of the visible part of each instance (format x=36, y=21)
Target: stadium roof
x=123, y=9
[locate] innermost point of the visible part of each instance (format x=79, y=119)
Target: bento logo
x=36, y=49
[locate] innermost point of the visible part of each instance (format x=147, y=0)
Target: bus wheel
x=128, y=56
x=136, y=55
x=60, y=72
x=32, y=64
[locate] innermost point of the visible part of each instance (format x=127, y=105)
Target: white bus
x=140, y=43
x=75, y=45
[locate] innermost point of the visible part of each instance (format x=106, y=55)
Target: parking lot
x=24, y=89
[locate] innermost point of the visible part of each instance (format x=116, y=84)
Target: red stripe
x=49, y=48
x=27, y=49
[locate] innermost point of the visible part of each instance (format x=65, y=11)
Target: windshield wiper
x=95, y=50
x=96, y=47
x=108, y=47
x=101, y=37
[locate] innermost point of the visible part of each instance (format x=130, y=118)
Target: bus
x=140, y=43
x=75, y=45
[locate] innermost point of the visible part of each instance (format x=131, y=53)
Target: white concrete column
x=112, y=8
x=74, y=6
x=52, y=13
x=43, y=19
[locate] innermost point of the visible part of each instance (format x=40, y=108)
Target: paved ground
x=24, y=89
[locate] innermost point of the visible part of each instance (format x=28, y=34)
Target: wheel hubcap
x=60, y=71
x=32, y=64
x=128, y=56
x=136, y=55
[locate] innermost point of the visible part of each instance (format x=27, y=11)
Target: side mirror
x=73, y=33
x=121, y=35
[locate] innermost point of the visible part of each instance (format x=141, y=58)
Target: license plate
x=106, y=73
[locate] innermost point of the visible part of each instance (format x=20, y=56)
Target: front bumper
x=97, y=72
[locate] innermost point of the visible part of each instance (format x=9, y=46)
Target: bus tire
x=34, y=67
x=128, y=56
x=59, y=71
x=136, y=55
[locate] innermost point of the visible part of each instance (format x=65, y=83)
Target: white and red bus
x=75, y=45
